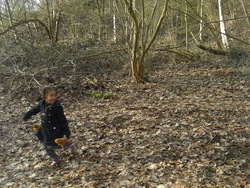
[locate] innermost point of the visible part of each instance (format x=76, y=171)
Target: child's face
x=51, y=97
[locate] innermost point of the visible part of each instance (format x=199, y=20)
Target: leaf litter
x=187, y=127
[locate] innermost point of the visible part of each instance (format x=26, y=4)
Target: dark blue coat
x=54, y=122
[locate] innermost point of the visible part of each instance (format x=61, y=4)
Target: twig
x=101, y=53
x=37, y=81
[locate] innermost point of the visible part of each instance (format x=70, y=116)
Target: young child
x=54, y=124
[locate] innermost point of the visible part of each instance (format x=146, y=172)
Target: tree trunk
x=1, y=18
x=49, y=21
x=187, y=29
x=10, y=17
x=114, y=28
x=101, y=11
x=135, y=54
x=54, y=18
x=144, y=33
x=222, y=27
x=245, y=11
x=58, y=20
x=201, y=20
x=209, y=26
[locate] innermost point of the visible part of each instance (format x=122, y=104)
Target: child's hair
x=46, y=90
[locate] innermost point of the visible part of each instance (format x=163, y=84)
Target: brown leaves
x=188, y=129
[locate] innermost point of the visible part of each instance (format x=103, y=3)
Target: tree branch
x=25, y=22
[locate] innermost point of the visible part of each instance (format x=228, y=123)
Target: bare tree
x=209, y=25
x=54, y=18
x=144, y=23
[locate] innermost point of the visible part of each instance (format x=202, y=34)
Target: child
x=54, y=123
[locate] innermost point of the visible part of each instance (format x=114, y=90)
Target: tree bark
x=201, y=20
x=209, y=26
x=1, y=19
x=222, y=27
x=101, y=10
x=58, y=20
x=114, y=28
x=245, y=11
x=10, y=18
x=142, y=39
x=187, y=29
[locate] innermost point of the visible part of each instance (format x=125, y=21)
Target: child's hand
x=36, y=127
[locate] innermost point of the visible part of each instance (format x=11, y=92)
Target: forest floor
x=188, y=127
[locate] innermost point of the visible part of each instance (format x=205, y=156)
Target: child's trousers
x=51, y=151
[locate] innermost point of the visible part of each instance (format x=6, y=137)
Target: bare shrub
x=25, y=70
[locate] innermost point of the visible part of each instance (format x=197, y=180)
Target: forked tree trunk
x=142, y=39
x=54, y=19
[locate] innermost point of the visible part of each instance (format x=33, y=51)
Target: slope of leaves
x=188, y=127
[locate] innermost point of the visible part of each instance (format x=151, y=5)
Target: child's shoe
x=56, y=163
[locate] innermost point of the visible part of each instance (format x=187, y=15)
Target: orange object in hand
x=61, y=141
x=36, y=127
